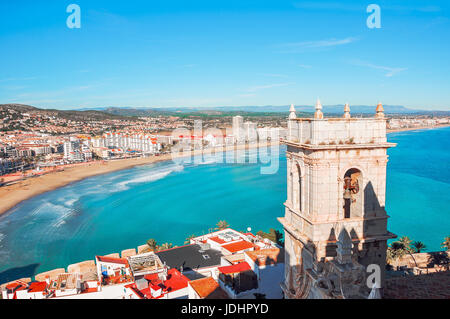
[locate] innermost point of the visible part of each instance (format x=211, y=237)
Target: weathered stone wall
x=319, y=154
x=315, y=132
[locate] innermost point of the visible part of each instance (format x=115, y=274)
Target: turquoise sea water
x=168, y=202
x=418, y=186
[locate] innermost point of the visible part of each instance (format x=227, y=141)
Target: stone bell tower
x=335, y=220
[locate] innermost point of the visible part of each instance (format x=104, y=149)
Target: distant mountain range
x=328, y=109
x=100, y=113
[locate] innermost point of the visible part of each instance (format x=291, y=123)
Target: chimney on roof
x=318, y=114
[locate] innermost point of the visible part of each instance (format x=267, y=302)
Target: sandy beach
x=12, y=195
x=416, y=128
x=22, y=190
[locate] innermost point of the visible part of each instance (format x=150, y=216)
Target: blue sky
x=222, y=53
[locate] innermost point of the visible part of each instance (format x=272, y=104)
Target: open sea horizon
x=168, y=202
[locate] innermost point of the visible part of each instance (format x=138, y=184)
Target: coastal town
x=39, y=142
x=35, y=142
x=228, y=264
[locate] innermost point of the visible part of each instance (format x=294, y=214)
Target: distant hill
x=77, y=115
x=187, y=112
x=102, y=113
x=18, y=107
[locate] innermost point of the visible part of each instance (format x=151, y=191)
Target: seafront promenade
x=12, y=195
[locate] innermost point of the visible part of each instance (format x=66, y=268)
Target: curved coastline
x=23, y=190
x=13, y=195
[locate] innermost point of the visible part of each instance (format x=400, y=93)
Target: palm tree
x=188, y=239
x=396, y=251
x=446, y=243
x=419, y=246
x=222, y=225
x=152, y=244
x=390, y=256
x=406, y=242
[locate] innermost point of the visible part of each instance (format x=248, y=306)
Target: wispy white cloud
x=13, y=87
x=30, y=78
x=319, y=44
x=274, y=75
x=265, y=87
x=340, y=6
x=247, y=95
x=424, y=9
x=304, y=66
x=322, y=43
x=390, y=71
x=316, y=5
x=55, y=94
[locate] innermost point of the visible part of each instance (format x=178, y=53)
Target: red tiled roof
x=235, y=268
x=135, y=290
x=208, y=288
x=16, y=286
x=112, y=260
x=218, y=240
x=155, y=287
x=13, y=285
x=175, y=281
x=37, y=286
x=238, y=246
x=89, y=290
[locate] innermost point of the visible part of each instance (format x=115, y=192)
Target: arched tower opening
x=353, y=193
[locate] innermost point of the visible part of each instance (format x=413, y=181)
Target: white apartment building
x=144, y=143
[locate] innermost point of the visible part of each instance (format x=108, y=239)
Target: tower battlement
x=336, y=187
x=336, y=131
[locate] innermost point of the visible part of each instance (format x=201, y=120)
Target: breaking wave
x=153, y=175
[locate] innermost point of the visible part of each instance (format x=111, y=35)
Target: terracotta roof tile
x=208, y=288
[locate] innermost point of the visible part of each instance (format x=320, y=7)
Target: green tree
x=165, y=246
x=419, y=246
x=273, y=235
x=446, y=243
x=222, y=224
x=439, y=258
